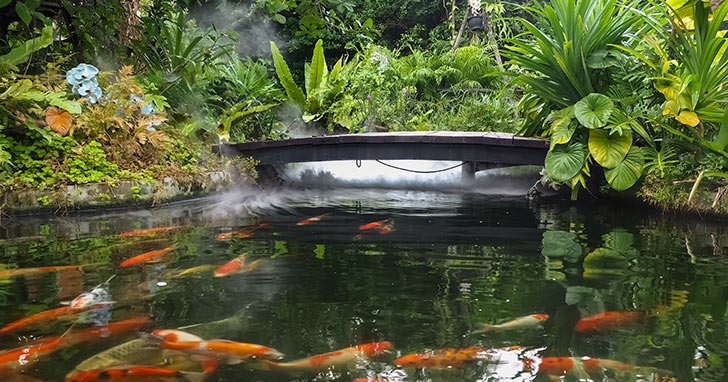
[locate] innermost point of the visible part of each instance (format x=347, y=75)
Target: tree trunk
x=127, y=30
x=460, y=32
x=488, y=24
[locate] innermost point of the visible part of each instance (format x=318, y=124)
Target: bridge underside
x=479, y=151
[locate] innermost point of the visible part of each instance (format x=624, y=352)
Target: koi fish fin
x=192, y=377
x=109, y=280
x=150, y=340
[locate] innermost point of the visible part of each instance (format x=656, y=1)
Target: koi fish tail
x=484, y=328
x=263, y=365
x=188, y=376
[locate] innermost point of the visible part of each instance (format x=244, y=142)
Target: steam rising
x=506, y=181
x=254, y=33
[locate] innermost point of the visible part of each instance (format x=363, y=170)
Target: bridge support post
x=468, y=171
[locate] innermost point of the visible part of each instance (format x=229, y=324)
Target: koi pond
x=364, y=285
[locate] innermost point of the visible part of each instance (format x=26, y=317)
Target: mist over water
x=512, y=181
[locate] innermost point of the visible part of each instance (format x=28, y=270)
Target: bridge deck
x=496, y=148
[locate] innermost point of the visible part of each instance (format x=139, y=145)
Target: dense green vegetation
x=635, y=89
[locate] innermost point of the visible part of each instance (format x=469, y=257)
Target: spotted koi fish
x=151, y=231
x=336, y=359
x=609, y=321
x=173, y=335
x=97, y=295
x=312, y=220
x=443, y=358
x=135, y=373
x=146, y=257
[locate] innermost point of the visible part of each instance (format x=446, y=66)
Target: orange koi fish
x=145, y=257
x=241, y=233
x=112, y=330
x=28, y=271
x=443, y=358
x=609, y=321
x=558, y=366
x=21, y=358
x=312, y=220
x=228, y=352
x=335, y=359
x=520, y=323
x=65, y=313
x=135, y=373
x=151, y=231
x=374, y=225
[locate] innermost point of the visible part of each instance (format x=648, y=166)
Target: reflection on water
x=435, y=267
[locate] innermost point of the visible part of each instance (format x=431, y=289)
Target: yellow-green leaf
x=671, y=108
x=689, y=118
x=609, y=149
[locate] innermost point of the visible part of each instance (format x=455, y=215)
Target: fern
x=657, y=161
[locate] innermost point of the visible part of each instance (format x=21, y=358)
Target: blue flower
x=81, y=73
x=136, y=98
x=87, y=87
x=95, y=95
x=148, y=109
x=150, y=128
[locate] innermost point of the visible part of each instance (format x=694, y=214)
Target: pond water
x=434, y=269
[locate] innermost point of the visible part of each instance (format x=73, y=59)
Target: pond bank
x=119, y=194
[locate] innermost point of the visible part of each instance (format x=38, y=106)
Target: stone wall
x=117, y=194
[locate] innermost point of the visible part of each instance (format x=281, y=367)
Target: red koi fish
x=241, y=233
x=136, y=373
x=335, y=359
x=65, y=313
x=232, y=266
x=312, y=220
x=558, y=366
x=28, y=271
x=609, y=321
x=228, y=352
x=443, y=358
x=18, y=359
x=374, y=225
x=146, y=257
x=387, y=228
x=151, y=231
x=533, y=320
x=237, y=266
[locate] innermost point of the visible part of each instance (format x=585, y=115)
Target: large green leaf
x=565, y=161
x=563, y=130
x=295, y=93
x=593, y=111
x=20, y=53
x=609, y=149
x=23, y=12
x=318, y=70
x=560, y=244
x=627, y=172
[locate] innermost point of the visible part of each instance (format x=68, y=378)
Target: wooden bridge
x=478, y=151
